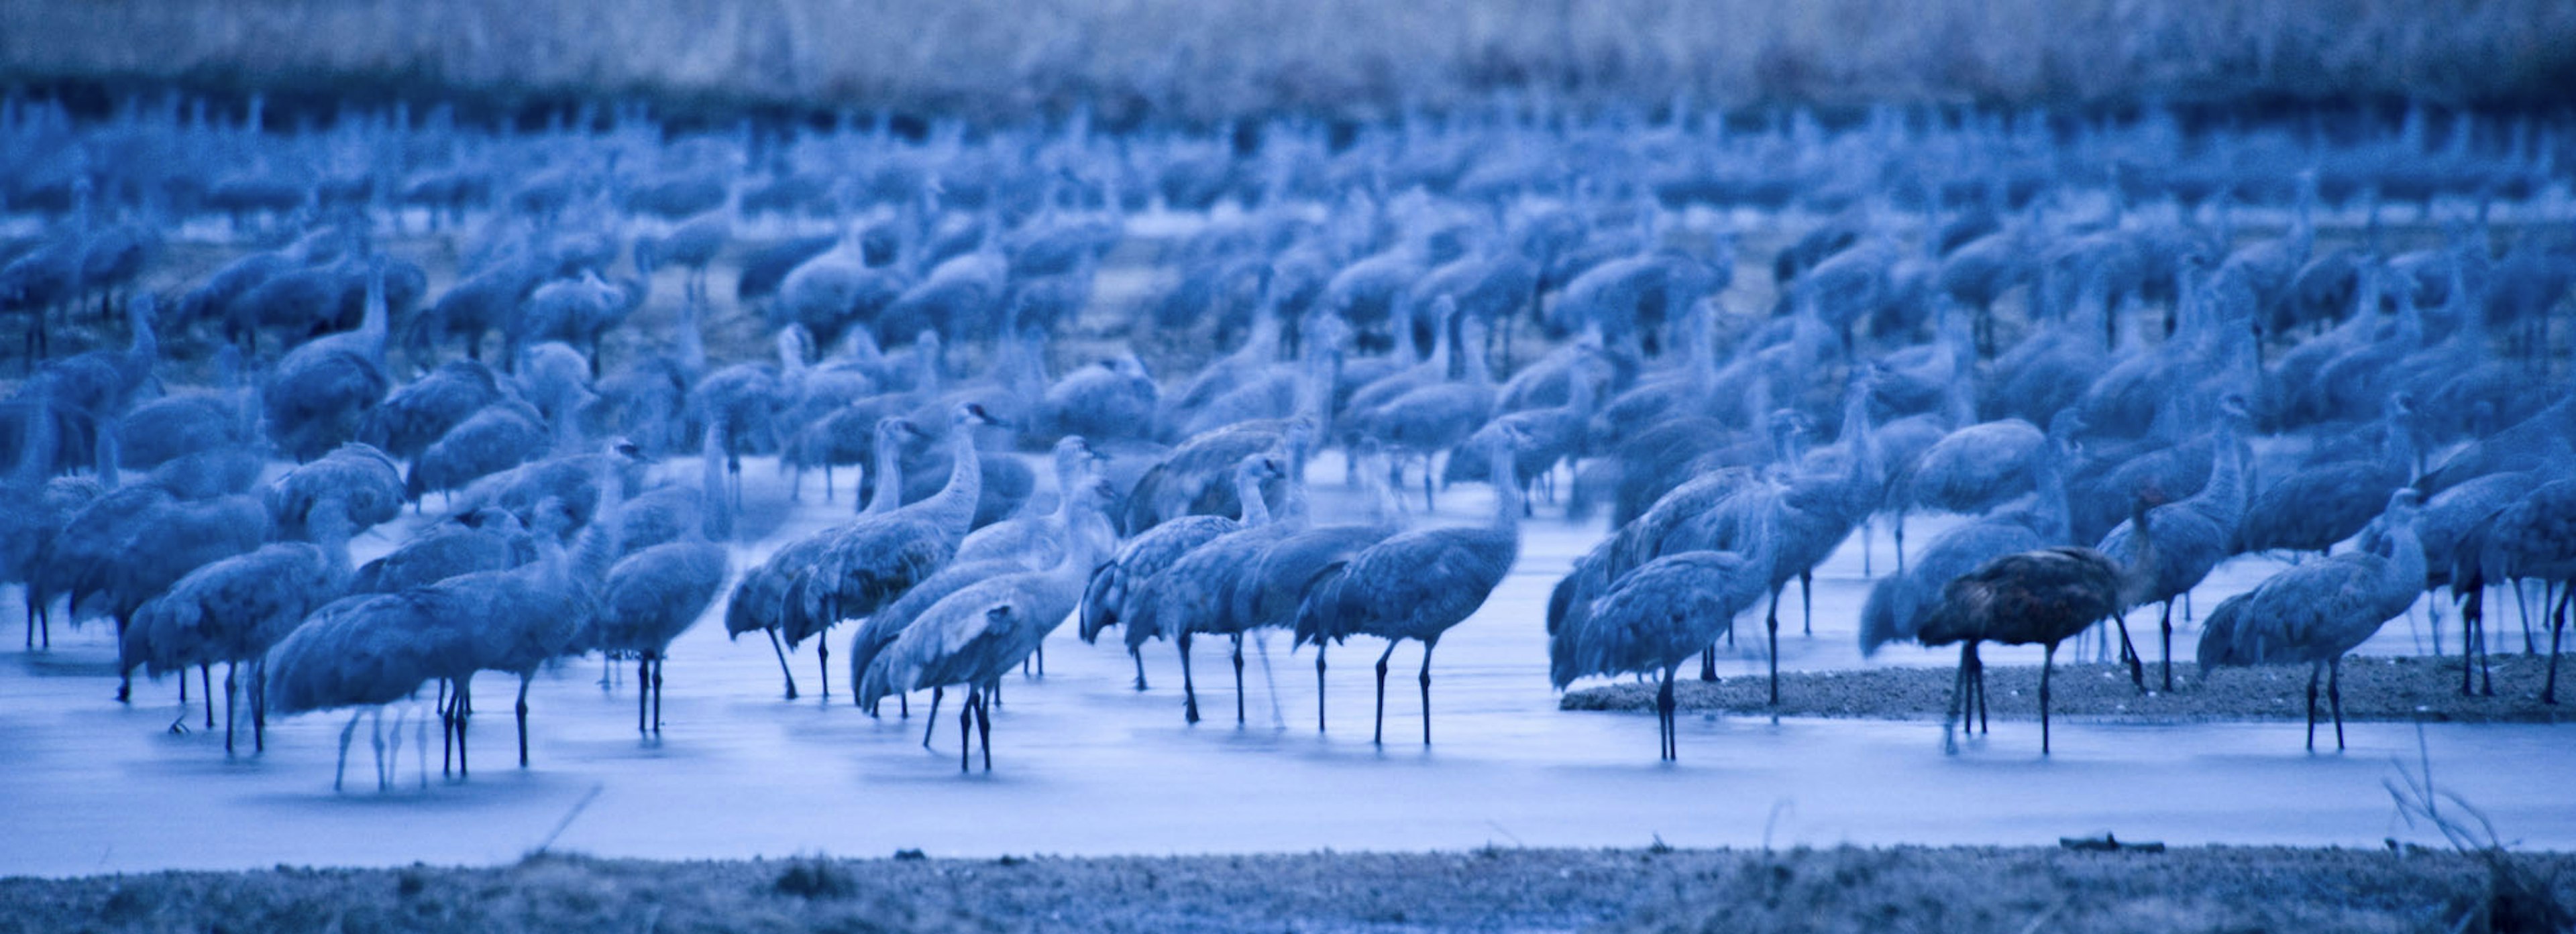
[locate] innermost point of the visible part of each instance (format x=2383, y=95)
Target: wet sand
x=2375, y=688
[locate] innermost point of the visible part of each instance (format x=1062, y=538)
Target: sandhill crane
x=231, y=611
x=370, y=651
x=526, y=616
x=1196, y=593
x=1539, y=439
x=424, y=410
x=501, y=436
x=2536, y=538
x=362, y=479
x=486, y=539
x=1975, y=469
x=1656, y=617
x=2317, y=611
x=2314, y=508
x=1897, y=604
x=324, y=391
x=1434, y=418
x=974, y=636
x=1417, y=585
x=1114, y=399
x=869, y=562
x=1035, y=540
x=1197, y=477
x=1117, y=593
x=653, y=595
x=2045, y=597
x=694, y=244
x=2193, y=536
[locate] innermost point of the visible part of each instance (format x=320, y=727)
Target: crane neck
x=2051, y=514
x=2405, y=549
x=2398, y=449
x=1247, y=492
x=375, y=326
x=1504, y=471
x=715, y=508
x=1580, y=393
x=693, y=341
x=330, y=528
x=36, y=455
x=1472, y=348
x=954, y=507
x=889, y=475
x=600, y=540
x=2223, y=497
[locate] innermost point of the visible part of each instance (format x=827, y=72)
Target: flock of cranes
x=2055, y=329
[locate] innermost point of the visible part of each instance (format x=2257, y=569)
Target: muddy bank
x=2374, y=688
x=1847, y=889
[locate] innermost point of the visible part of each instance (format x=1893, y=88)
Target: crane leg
x=1379, y=735
x=464, y=718
x=1868, y=543
x=2314, y=675
x=984, y=731
x=1426, y=689
x=1238, y=679
x=1708, y=663
x=931, y=722
x=2471, y=606
x=523, y=720
x=259, y=710
x=1771, y=631
x=446, y=731
x=966, y=729
x=341, y=771
x=2047, y=666
x=206, y=686
x=2486, y=655
x=657, y=694
x=2557, y=628
x=1807, y=603
x=228, y=707
x=823, y=663
x=1139, y=658
x=1664, y=725
x=1896, y=527
x=1319, y=687
x=782, y=663
x=2165, y=653
x=125, y=679
x=2334, y=697
x=2129, y=654
x=1189, y=688
x=1977, y=687
x=1958, y=700
x=643, y=690
x=2522, y=606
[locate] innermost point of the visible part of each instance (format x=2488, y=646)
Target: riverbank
x=1656, y=889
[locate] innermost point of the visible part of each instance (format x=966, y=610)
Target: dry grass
x=1209, y=61
x=1846, y=889
x=2374, y=688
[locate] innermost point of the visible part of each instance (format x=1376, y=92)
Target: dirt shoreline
x=2374, y=689
x=1842, y=889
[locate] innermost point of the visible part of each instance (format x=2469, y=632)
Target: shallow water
x=1084, y=764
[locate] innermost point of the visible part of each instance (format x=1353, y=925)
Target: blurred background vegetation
x=1207, y=61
